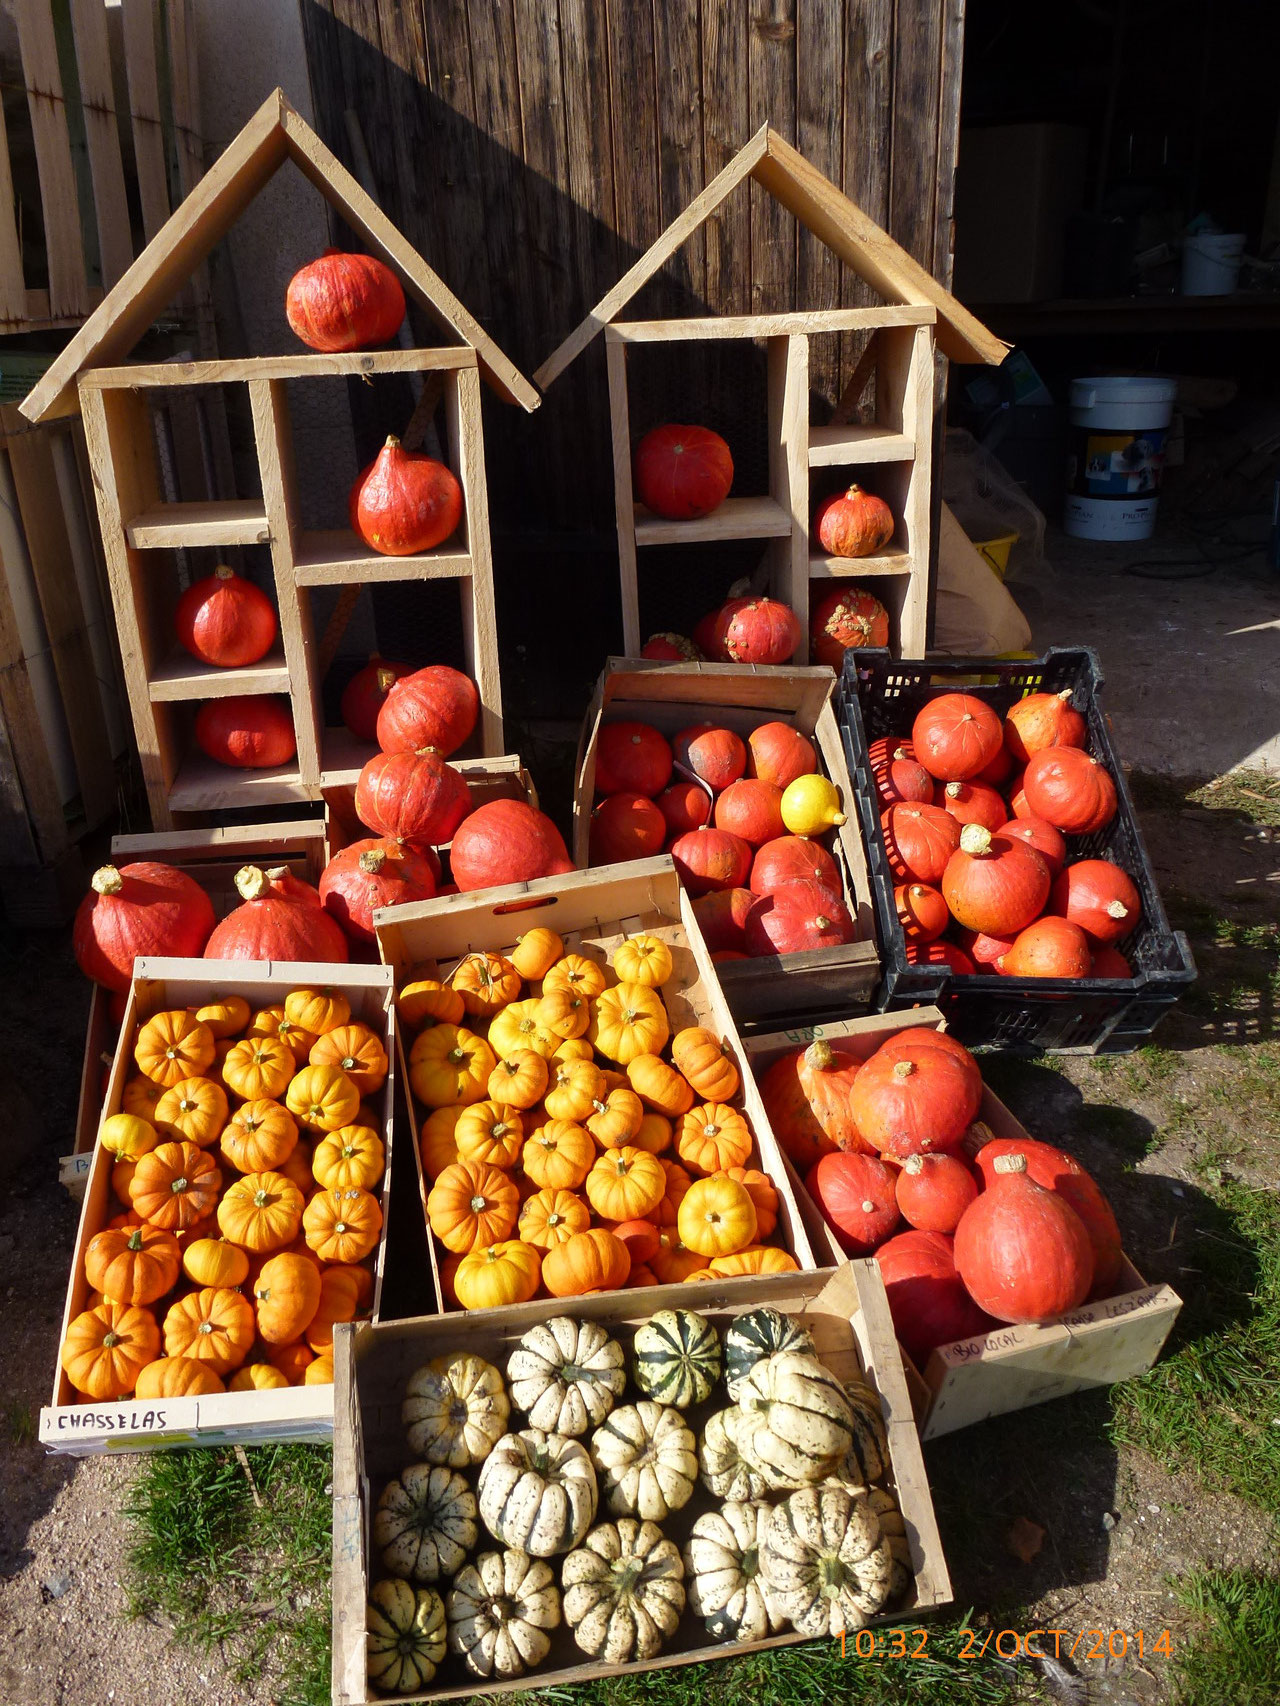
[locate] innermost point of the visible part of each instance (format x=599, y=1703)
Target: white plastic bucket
x=1211, y=263
x=1118, y=429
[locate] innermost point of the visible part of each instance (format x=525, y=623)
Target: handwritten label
x=122, y=1419
x=74, y=1166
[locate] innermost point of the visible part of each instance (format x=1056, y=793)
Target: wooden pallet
x=741, y=697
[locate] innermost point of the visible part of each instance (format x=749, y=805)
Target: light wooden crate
x=1014, y=1367
x=848, y=1316
x=83, y=1427
x=741, y=697
x=591, y=911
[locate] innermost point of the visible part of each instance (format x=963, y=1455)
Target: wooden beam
x=15, y=304
x=97, y=97
x=682, y=227
x=59, y=196
x=137, y=27
x=232, y=369
x=714, y=326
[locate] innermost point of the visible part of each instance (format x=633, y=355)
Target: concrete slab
x=1192, y=667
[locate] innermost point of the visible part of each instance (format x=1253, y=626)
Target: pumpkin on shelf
x=405, y=1639
x=138, y=910
x=846, y=618
x=754, y=629
x=280, y=919
x=344, y=302
x=566, y=1375
x=251, y=731
x=677, y=1358
x=436, y=706
x=106, y=1348
x=498, y=1275
x=682, y=472
x=225, y=620
x=499, y=1610
x=854, y=523
x=646, y=1458
x=365, y=694
x=454, y=1410
x=404, y=504
x=537, y=1492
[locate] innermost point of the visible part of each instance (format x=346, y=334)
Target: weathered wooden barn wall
x=533, y=148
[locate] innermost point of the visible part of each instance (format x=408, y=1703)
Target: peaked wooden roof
x=274, y=134
x=831, y=216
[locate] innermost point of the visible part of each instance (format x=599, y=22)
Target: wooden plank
x=138, y=28
x=33, y=825
x=725, y=121
x=59, y=198
x=54, y=573
x=952, y=52
x=584, y=49
x=735, y=518
x=716, y=326
x=233, y=370
x=450, y=116
x=819, y=49
x=788, y=391
x=269, y=404
x=341, y=558
x=653, y=258
x=200, y=785
x=491, y=29
x=871, y=251
x=225, y=521
x=479, y=615
x=868, y=124
x=849, y=404
x=895, y=560
x=772, y=85
x=904, y=401
x=184, y=95
x=624, y=502
x=97, y=97
x=633, y=105
x=15, y=307
x=545, y=153
x=851, y=446
x=681, y=174
x=917, y=57
x=183, y=677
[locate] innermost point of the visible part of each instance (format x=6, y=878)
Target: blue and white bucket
x=1118, y=430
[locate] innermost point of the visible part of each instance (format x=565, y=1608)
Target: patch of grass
x=221, y=1569
x=1213, y=1406
x=1235, y=1655
x=1253, y=794
x=19, y=1422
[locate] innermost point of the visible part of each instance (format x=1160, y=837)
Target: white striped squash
x=647, y=1461
x=677, y=1357
x=866, y=1458
x=722, y=1571
x=404, y=1636
x=825, y=1563
x=623, y=1591
x=499, y=1610
x=538, y=1492
x=757, y=1334
x=454, y=1410
x=796, y=1422
x=566, y=1375
x=425, y=1523
x=723, y=1469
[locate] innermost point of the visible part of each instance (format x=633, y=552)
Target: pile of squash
x=498, y=1534
x=980, y=819
x=247, y=1180
x=573, y=1143
x=996, y=1230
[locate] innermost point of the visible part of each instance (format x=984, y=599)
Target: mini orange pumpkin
x=643, y=959
x=296, y=1167
x=259, y=1068
x=759, y=1188
x=672, y=1262
x=519, y=1081
x=717, y=1217
x=615, y=1120
x=107, y=1347
x=132, y=1265
x=322, y=1098
x=564, y=1014
x=518, y=1026
x=260, y=1211
x=706, y=1063
x=273, y=1022
x=471, y=1206
x=293, y=1361
x=559, y=1155
x=625, y=1184
x=659, y=1086
x=342, y=1226
x=215, y=1262
x=712, y=1137
x=287, y=1297
x=489, y=1134
x=576, y=973
x=629, y=1020
x=339, y=1301
x=757, y=1259
x=676, y=1183
x=317, y=1010
x=139, y=1097
x=654, y=1134
x=358, y=1051
x=226, y=1015
x=641, y=1239
x=192, y=1111
x=449, y=1066
x=319, y=1371
x=257, y=1377
x=486, y=983
x=214, y=1325
x=575, y=1086
x=436, y=1144
x=497, y=1275
x=175, y=1186
x=589, y=1261
x=260, y=1137
x=641, y=1274
x=574, y=1048
x=548, y=1217
x=426, y=1002
x=352, y=1156
x=177, y=1377
x=536, y=952
x=122, y=1173
x=172, y=1046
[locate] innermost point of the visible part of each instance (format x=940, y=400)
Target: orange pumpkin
x=643, y=959
x=757, y=1259
x=226, y=1015
x=172, y=1046
x=133, y=1265
x=625, y=1184
x=641, y=1240
x=317, y=1010
x=342, y=1226
x=676, y=1183
x=536, y=952
x=629, y=1020
x=706, y=1063
x=489, y=1134
x=260, y=1137
x=192, y=1111
x=471, y=1206
x=450, y=1066
x=641, y=1274
x=363, y=1279
x=448, y=1272
x=139, y=1097
x=564, y=1013
x=712, y=1137
x=654, y=1134
x=717, y=1217
x=672, y=1261
x=122, y=1173
x=559, y=1155
x=352, y=1156
x=259, y=1067
x=426, y=1002
x=436, y=1144
x=759, y=1188
x=319, y=1371
x=175, y=1186
x=589, y=1261
x=577, y=974
x=519, y=1081
x=497, y=1275
x=358, y=1051
x=260, y=1211
x=322, y=1098
x=548, y=1217
x=616, y=1120
x=574, y=1048
x=107, y=1347
x=293, y=1361
x=575, y=1086
x=177, y=1377
x=339, y=1301
x=215, y=1262
x=486, y=983
x=257, y=1377
x=273, y=1022
x=296, y=1167
x=659, y=1086
x=214, y=1325
x=287, y=1297
x=518, y=1026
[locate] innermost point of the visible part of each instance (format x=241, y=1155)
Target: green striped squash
x=677, y=1357
x=866, y=1458
x=793, y=1420
x=758, y=1334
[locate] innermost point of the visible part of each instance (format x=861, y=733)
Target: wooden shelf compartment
x=735, y=518
x=230, y=521
x=203, y=786
x=181, y=676
x=341, y=558
x=896, y=560
x=851, y=446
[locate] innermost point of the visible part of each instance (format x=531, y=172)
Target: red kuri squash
x=752, y=810
x=846, y=618
x=412, y=796
x=919, y=839
x=139, y=909
x=919, y=1091
x=940, y=954
x=369, y=874
x=1048, y=842
x=344, y=302
x=1051, y=947
x=1098, y=896
x=985, y=951
x=711, y=859
x=791, y=859
x=1110, y=962
x=1022, y=1252
x=922, y=912
x=1069, y=789
x=856, y=1196
x=796, y=918
x=778, y=753
x=927, y=1298
x=791, y=1115
x=854, y=523
x=826, y=1074
x=682, y=472
x=436, y=706
x=626, y=826
x=281, y=918
x=504, y=842
x=898, y=775
x=993, y=884
x=251, y=731
x=973, y=802
x=755, y=630
x=721, y=916
x=225, y=620
x=684, y=806
x=715, y=755
x=365, y=694
x=1042, y=720
x=933, y=1191
x=670, y=648
x=1054, y=1170
x=403, y=503
x=955, y=736
x=631, y=758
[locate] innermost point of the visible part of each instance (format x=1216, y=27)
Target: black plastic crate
x=880, y=695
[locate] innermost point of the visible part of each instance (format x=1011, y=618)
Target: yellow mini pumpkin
x=339, y=1301
x=260, y=1211
x=177, y=1377
x=486, y=983
x=518, y=1081
x=574, y=1048
x=627, y=1021
x=139, y=1097
x=214, y=1325
x=128, y=1136
x=353, y=1155
x=659, y=1086
x=548, y=1217
x=317, y=1010
x=257, y=1377
x=342, y=1226
x=517, y=1026
x=426, y=1002
x=756, y=1259
x=448, y=1066
x=437, y=1145
x=642, y=959
x=358, y=1051
x=706, y=1063
x=717, y=1217
x=559, y=1155
x=319, y=1371
x=322, y=1098
x=274, y=1022
x=564, y=1014
x=259, y=1068
x=654, y=1134
x=192, y=1111
x=616, y=1119
x=711, y=1138
x=577, y=974
x=497, y=1275
x=172, y=1046
x=489, y=1133
x=260, y=1137
x=226, y=1015
x=536, y=952
x=625, y=1184
x=574, y=1089
x=215, y=1262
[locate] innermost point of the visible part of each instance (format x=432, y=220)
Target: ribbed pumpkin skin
x=537, y=1492
x=919, y=839
x=677, y=1358
x=286, y=923
x=778, y=753
x=351, y=893
x=1042, y=720
x=157, y=910
x=436, y=706
x=856, y=1196
x=1068, y=789
x=1023, y=1252
x=504, y=842
x=344, y=302
x=251, y=731
x=1054, y=1170
x=412, y=796
x=226, y=620
x=790, y=859
x=1098, y=896
x=955, y=736
x=999, y=890
x=403, y=504
x=365, y=694
x=709, y=859
x=855, y=523
x=682, y=472
x=915, y=1094
x=927, y=1298
x=797, y=918
x=757, y=1334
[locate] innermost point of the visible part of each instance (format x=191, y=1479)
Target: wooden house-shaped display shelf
x=137, y=523
x=896, y=443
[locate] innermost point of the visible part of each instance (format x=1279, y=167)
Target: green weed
x=1235, y=1654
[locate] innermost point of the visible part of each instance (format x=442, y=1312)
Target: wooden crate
x=592, y=911
x=502, y=778
x=82, y=1427
x=1011, y=1367
x=671, y=696
x=849, y=1319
